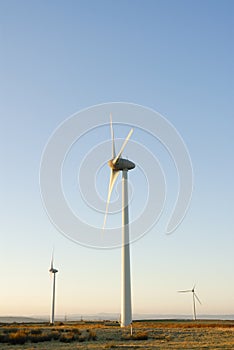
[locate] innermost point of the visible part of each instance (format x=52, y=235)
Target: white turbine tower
x=194, y=301
x=53, y=272
x=116, y=165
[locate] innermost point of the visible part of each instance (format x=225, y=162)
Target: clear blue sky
x=58, y=57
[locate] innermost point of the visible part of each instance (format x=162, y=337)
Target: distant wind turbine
x=53, y=272
x=194, y=301
x=116, y=165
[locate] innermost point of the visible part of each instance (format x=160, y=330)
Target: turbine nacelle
x=121, y=164
x=53, y=270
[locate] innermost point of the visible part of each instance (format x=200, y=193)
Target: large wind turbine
x=194, y=301
x=117, y=164
x=53, y=272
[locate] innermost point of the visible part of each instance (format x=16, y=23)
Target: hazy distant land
x=107, y=316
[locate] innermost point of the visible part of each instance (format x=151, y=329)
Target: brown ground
x=108, y=335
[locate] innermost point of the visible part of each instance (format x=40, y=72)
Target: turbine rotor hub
x=121, y=164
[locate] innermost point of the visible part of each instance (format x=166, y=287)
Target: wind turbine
x=194, y=301
x=53, y=272
x=117, y=164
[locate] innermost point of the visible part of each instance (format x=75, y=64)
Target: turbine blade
x=52, y=261
x=51, y=264
x=112, y=138
x=123, y=146
x=113, y=177
x=197, y=298
x=184, y=291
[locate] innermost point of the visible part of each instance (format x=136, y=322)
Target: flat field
x=147, y=335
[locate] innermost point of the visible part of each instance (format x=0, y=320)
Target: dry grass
x=147, y=335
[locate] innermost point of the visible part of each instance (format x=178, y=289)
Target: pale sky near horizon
x=58, y=57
